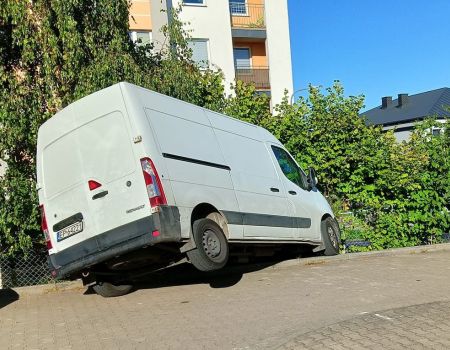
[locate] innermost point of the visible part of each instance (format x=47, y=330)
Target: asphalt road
x=398, y=301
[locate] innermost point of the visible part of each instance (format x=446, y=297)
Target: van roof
x=65, y=119
x=264, y=134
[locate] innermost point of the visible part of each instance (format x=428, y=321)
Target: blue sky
x=374, y=47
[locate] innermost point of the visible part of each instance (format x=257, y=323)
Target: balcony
x=258, y=76
x=248, y=20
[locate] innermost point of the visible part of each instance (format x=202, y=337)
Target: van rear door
x=90, y=175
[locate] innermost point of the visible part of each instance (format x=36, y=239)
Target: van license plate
x=68, y=231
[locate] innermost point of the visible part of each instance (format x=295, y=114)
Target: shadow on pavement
x=7, y=296
x=186, y=274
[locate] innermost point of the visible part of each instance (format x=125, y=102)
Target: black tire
x=108, y=290
x=212, y=246
x=331, y=236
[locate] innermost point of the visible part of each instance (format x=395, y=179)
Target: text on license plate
x=69, y=231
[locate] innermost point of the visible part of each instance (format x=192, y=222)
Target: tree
x=55, y=52
x=246, y=104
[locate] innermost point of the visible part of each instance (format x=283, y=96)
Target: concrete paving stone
x=424, y=335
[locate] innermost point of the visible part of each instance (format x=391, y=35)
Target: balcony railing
x=245, y=15
x=258, y=76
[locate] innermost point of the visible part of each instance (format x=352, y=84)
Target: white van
x=129, y=180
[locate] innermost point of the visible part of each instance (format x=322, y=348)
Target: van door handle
x=273, y=189
x=100, y=195
x=293, y=193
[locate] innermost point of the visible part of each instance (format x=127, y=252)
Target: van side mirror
x=312, y=178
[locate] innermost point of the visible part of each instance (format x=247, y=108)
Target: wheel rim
x=333, y=237
x=211, y=244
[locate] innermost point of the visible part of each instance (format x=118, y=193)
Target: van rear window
x=100, y=149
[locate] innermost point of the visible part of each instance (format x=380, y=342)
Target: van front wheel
x=212, y=246
x=108, y=290
x=330, y=236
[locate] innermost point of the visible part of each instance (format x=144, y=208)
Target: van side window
x=289, y=167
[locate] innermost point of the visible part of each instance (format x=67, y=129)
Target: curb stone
x=48, y=288
x=317, y=260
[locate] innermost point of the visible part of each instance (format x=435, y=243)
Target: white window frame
x=203, y=4
x=134, y=38
x=266, y=92
x=249, y=57
x=208, y=52
x=246, y=14
x=438, y=129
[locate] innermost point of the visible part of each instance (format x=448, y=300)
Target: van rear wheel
x=212, y=246
x=108, y=290
x=330, y=236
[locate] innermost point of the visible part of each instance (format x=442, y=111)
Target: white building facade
x=247, y=40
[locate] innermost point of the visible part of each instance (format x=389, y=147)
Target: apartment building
x=247, y=39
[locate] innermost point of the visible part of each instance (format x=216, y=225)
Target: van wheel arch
x=324, y=216
x=208, y=211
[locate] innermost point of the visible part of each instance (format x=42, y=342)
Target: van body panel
x=136, y=99
x=195, y=166
x=90, y=147
x=268, y=137
x=166, y=104
x=304, y=204
x=191, y=195
x=255, y=181
x=301, y=202
x=231, y=125
x=187, y=148
x=111, y=244
x=185, y=221
x=236, y=232
x=182, y=137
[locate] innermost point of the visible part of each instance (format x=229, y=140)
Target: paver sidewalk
x=288, y=307
x=425, y=326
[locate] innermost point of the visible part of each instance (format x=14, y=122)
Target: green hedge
x=398, y=193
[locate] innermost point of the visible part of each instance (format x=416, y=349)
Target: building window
x=199, y=49
x=435, y=131
x=242, y=57
x=141, y=37
x=194, y=2
x=238, y=7
x=263, y=92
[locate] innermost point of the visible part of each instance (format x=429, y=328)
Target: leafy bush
x=398, y=193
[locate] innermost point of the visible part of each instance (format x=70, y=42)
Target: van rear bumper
x=118, y=241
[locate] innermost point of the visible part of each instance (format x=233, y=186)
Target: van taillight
x=93, y=185
x=44, y=227
x=152, y=182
